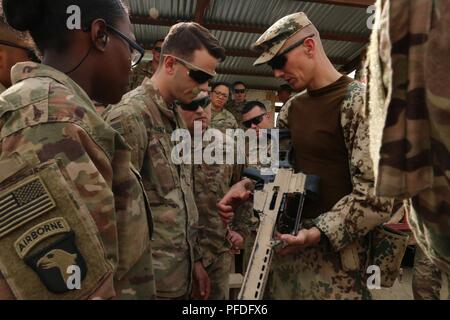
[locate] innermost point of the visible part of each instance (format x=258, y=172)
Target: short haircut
x=239, y=82
x=46, y=20
x=216, y=84
x=185, y=38
x=8, y=33
x=159, y=40
x=285, y=87
x=253, y=104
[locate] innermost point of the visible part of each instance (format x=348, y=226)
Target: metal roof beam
x=348, y=3
x=253, y=54
x=200, y=10
x=244, y=73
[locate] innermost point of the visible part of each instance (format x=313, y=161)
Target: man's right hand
x=238, y=194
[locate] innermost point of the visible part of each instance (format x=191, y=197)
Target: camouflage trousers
x=219, y=275
x=314, y=274
x=427, y=278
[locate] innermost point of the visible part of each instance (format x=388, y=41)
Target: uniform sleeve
x=5, y=291
x=87, y=166
x=132, y=129
x=361, y=211
x=282, y=121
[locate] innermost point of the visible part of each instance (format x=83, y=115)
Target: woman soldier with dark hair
x=74, y=221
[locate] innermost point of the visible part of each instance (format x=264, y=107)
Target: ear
x=169, y=65
x=99, y=34
x=311, y=47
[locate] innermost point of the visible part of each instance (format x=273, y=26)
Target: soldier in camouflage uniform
x=236, y=105
x=328, y=258
x=211, y=183
x=221, y=119
x=147, y=117
x=15, y=47
x=78, y=202
x=146, y=69
x=409, y=109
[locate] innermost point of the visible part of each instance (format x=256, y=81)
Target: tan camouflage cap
x=274, y=38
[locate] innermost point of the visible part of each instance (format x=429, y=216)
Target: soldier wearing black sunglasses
x=147, y=117
x=237, y=104
x=330, y=139
x=255, y=116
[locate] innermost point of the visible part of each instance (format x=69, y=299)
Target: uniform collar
x=153, y=92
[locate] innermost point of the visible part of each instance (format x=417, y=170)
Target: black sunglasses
x=256, y=120
x=279, y=61
x=137, y=52
x=202, y=102
x=238, y=91
x=196, y=74
x=157, y=49
x=30, y=53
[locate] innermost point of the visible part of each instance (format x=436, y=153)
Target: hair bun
x=23, y=15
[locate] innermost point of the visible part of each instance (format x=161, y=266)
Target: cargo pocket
x=49, y=243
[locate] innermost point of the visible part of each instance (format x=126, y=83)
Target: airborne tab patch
x=38, y=233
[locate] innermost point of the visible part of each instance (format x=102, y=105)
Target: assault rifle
x=274, y=198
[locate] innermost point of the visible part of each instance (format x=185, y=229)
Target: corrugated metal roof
x=182, y=9
x=265, y=12
x=332, y=19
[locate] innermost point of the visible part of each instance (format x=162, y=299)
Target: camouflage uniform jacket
x=223, y=120
x=147, y=122
x=211, y=183
x=409, y=106
x=46, y=118
x=236, y=110
x=139, y=73
x=359, y=212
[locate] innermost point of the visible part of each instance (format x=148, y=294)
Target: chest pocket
x=164, y=175
x=49, y=244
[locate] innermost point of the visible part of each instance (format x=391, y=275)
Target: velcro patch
x=24, y=203
x=38, y=233
x=53, y=264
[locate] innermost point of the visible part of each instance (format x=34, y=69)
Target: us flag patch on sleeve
x=22, y=204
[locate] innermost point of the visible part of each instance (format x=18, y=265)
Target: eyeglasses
x=256, y=121
x=30, y=53
x=196, y=73
x=202, y=102
x=239, y=91
x=137, y=52
x=220, y=94
x=279, y=61
x=157, y=49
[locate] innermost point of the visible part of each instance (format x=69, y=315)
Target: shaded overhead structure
x=239, y=23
